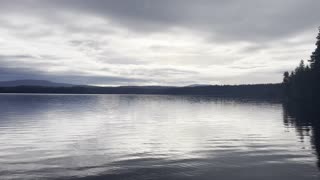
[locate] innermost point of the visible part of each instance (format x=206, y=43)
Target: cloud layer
x=167, y=42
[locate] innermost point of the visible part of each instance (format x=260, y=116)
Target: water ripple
x=149, y=137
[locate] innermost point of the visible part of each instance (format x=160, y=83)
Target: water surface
x=152, y=137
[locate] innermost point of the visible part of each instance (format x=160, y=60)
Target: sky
x=155, y=42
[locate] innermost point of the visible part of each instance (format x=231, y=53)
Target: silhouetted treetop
x=315, y=57
x=302, y=84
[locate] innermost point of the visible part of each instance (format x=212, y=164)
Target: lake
x=153, y=137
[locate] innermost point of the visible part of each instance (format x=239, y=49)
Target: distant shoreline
x=274, y=91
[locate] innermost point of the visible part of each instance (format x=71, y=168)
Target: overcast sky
x=155, y=42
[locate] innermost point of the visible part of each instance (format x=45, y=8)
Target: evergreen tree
x=315, y=57
x=315, y=68
x=302, y=84
x=286, y=77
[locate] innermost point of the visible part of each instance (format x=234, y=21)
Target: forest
x=302, y=84
x=270, y=91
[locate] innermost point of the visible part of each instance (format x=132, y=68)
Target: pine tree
x=303, y=84
x=315, y=57
x=286, y=77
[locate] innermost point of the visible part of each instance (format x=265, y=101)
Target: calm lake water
x=153, y=137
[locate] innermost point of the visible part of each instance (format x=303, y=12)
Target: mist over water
x=152, y=137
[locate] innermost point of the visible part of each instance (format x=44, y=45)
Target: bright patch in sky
x=141, y=42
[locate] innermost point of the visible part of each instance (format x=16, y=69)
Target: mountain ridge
x=33, y=82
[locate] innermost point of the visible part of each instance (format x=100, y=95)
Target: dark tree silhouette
x=263, y=91
x=315, y=66
x=302, y=85
x=315, y=57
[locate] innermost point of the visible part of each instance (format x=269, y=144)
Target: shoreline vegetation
x=270, y=91
x=302, y=85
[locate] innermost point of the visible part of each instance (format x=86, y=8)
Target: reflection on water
x=306, y=122
x=153, y=137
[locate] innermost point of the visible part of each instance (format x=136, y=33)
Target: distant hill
x=198, y=85
x=29, y=82
x=270, y=91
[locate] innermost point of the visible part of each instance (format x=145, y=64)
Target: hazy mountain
x=199, y=85
x=29, y=82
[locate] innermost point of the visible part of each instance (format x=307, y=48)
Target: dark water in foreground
x=153, y=137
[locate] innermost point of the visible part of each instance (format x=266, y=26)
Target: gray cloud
x=161, y=42
x=8, y=74
x=224, y=20
x=13, y=57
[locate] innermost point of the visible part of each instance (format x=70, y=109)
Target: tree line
x=264, y=91
x=302, y=84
